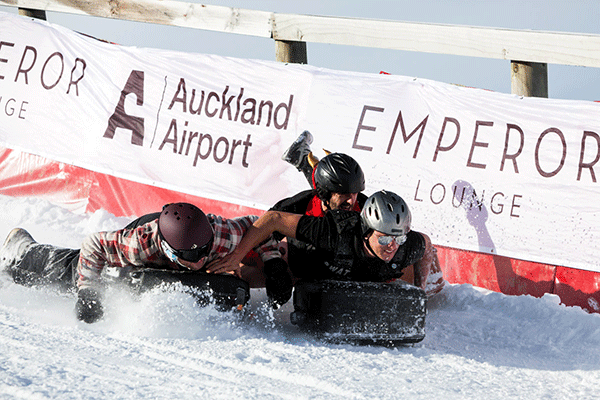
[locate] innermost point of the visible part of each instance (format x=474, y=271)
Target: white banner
x=481, y=171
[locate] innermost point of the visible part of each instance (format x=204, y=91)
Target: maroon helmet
x=186, y=231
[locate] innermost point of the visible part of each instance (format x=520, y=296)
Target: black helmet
x=339, y=173
x=186, y=231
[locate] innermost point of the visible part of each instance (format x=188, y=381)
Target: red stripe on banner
x=82, y=190
x=578, y=288
x=123, y=197
x=500, y=274
x=23, y=174
x=518, y=277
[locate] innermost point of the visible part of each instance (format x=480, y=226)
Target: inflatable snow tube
x=361, y=312
x=226, y=292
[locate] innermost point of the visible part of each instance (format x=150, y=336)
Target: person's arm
x=269, y=222
x=423, y=266
x=267, y=249
x=117, y=248
x=120, y=248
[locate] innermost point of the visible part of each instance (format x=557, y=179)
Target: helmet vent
x=376, y=215
x=389, y=206
x=398, y=219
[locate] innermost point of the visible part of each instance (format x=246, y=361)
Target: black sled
x=360, y=312
x=226, y=292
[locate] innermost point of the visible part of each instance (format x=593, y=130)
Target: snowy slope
x=479, y=344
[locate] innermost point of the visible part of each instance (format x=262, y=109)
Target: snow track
x=162, y=346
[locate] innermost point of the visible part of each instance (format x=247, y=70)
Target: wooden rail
x=529, y=51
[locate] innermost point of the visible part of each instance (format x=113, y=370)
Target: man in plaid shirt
x=186, y=239
x=139, y=247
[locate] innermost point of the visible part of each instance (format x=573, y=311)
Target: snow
x=478, y=344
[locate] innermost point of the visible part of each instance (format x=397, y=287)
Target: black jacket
x=338, y=239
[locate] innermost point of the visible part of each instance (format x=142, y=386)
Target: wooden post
x=529, y=79
x=290, y=52
x=30, y=12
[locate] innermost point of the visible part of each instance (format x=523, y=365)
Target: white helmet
x=386, y=212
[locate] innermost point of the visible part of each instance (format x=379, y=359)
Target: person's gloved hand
x=278, y=282
x=88, y=307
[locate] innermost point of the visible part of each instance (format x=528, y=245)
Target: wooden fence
x=529, y=51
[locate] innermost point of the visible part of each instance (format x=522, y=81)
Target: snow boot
x=300, y=156
x=299, y=150
x=15, y=246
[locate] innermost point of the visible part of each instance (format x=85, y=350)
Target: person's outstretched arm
x=269, y=222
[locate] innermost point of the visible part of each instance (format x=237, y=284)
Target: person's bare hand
x=227, y=264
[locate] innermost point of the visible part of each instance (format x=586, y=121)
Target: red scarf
x=314, y=208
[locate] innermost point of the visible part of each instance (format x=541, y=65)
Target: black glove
x=278, y=282
x=88, y=306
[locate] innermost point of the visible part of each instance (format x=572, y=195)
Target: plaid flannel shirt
x=140, y=247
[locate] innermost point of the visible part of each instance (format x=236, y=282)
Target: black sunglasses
x=192, y=255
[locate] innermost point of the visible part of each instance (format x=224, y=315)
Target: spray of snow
x=161, y=345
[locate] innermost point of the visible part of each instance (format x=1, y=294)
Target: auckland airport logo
x=182, y=135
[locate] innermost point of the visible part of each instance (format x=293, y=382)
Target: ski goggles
x=192, y=255
x=386, y=240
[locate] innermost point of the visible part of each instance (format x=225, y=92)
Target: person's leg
x=32, y=263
